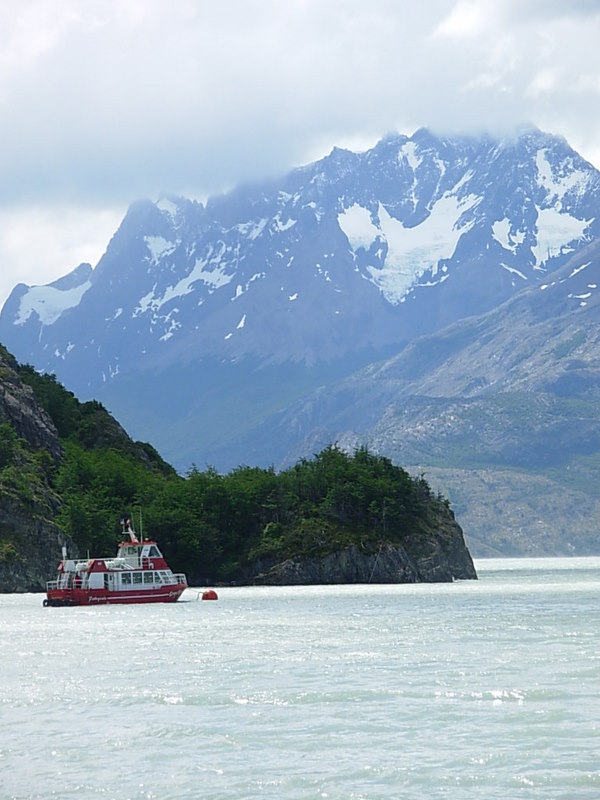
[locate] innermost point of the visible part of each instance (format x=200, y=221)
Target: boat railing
x=166, y=579
x=62, y=585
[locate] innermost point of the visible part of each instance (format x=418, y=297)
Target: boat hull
x=96, y=597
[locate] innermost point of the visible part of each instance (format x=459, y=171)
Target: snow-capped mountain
x=201, y=320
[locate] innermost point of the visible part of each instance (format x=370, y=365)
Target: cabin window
x=126, y=577
x=148, y=577
x=137, y=577
x=153, y=552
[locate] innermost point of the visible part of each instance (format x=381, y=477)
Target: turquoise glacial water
x=486, y=688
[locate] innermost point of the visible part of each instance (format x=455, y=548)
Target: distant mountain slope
x=431, y=296
x=502, y=411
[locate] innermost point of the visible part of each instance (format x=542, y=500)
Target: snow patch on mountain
x=167, y=207
x=555, y=231
x=159, y=247
x=241, y=290
x=172, y=324
x=501, y=231
x=414, y=251
x=49, y=302
x=513, y=271
x=579, y=269
x=213, y=278
x=410, y=251
x=280, y=226
x=252, y=230
x=558, y=186
x=358, y=226
x=408, y=151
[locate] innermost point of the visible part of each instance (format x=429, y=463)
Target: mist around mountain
x=433, y=298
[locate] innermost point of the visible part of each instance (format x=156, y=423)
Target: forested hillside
x=215, y=527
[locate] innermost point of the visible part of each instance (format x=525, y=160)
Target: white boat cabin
x=137, y=566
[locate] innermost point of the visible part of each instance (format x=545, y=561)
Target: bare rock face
x=30, y=542
x=20, y=409
x=36, y=542
x=389, y=564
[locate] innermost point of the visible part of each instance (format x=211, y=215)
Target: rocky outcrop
x=30, y=546
x=439, y=556
x=30, y=542
x=19, y=408
x=389, y=564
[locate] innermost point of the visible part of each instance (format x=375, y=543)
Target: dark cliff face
x=36, y=542
x=19, y=408
x=30, y=542
x=437, y=555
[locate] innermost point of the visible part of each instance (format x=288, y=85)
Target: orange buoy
x=210, y=594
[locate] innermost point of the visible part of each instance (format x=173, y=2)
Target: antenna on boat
x=126, y=523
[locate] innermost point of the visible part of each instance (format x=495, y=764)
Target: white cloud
x=40, y=244
x=466, y=19
x=544, y=82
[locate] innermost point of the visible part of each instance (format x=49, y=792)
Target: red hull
x=81, y=597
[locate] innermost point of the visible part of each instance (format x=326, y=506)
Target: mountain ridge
x=177, y=253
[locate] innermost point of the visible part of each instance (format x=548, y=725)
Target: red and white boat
x=138, y=574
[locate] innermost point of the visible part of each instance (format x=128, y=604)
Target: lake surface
x=487, y=689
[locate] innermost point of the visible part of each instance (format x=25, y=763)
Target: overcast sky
x=107, y=101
